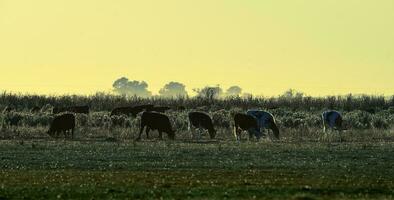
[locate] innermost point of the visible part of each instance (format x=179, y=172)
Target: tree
x=173, y=89
x=124, y=86
x=209, y=92
x=234, y=91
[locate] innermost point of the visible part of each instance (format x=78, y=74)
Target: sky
x=320, y=47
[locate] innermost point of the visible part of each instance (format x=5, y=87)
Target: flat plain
x=99, y=169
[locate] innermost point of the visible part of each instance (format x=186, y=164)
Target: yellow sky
x=264, y=46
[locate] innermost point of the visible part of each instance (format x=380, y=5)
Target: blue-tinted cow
x=332, y=119
x=265, y=120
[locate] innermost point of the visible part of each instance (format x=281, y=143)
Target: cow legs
x=147, y=132
x=160, y=135
x=236, y=132
x=192, y=130
x=72, y=133
x=200, y=132
x=253, y=132
x=141, y=130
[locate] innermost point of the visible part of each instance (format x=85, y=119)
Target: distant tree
x=292, y=93
x=209, y=92
x=173, y=89
x=234, y=91
x=124, y=86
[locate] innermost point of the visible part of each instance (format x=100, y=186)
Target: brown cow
x=202, y=120
x=156, y=121
x=62, y=124
x=244, y=122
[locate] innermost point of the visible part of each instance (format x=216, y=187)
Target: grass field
x=96, y=169
x=104, y=162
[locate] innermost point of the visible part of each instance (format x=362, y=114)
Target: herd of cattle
x=154, y=118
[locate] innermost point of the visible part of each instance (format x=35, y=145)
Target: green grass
x=42, y=169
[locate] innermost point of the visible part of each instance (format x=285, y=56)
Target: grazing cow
x=265, y=120
x=130, y=111
x=62, y=124
x=332, y=119
x=73, y=109
x=156, y=121
x=201, y=120
x=35, y=109
x=244, y=122
x=161, y=109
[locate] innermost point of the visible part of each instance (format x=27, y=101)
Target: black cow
x=62, y=124
x=202, y=120
x=35, y=109
x=73, y=109
x=156, y=121
x=129, y=110
x=244, y=122
x=161, y=109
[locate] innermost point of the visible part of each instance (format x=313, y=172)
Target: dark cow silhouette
x=265, y=120
x=35, y=109
x=73, y=109
x=161, y=109
x=156, y=121
x=244, y=122
x=129, y=110
x=202, y=120
x=62, y=124
x=333, y=119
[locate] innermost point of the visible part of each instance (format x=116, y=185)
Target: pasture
x=104, y=161
x=208, y=169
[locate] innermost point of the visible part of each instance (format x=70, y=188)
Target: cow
x=265, y=120
x=156, y=121
x=130, y=111
x=35, y=109
x=201, y=120
x=161, y=109
x=73, y=109
x=62, y=124
x=245, y=122
x=332, y=119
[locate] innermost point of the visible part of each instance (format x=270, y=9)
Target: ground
x=99, y=169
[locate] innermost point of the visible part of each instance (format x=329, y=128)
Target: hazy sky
x=264, y=46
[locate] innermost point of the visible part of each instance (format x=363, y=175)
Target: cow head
x=275, y=130
x=171, y=135
x=50, y=132
x=212, y=133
